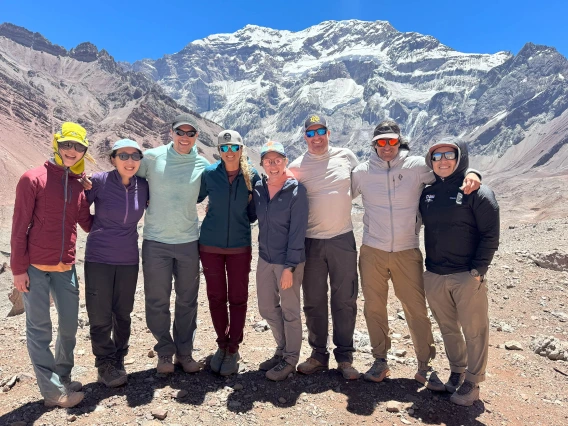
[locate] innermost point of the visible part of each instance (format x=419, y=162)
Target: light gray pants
x=159, y=263
x=281, y=308
x=65, y=291
x=459, y=305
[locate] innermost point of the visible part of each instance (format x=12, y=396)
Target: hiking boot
x=217, y=360
x=349, y=372
x=110, y=376
x=119, y=364
x=269, y=364
x=378, y=371
x=280, y=372
x=466, y=394
x=165, y=365
x=66, y=400
x=188, y=364
x=70, y=385
x=311, y=366
x=454, y=382
x=230, y=364
x=430, y=379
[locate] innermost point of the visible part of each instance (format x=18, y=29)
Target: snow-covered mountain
x=263, y=82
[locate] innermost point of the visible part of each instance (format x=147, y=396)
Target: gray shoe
x=454, y=382
x=230, y=364
x=109, y=376
x=378, y=371
x=217, y=360
x=66, y=400
x=430, y=379
x=466, y=394
x=70, y=385
x=269, y=364
x=280, y=372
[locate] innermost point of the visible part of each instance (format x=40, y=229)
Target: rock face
x=264, y=82
x=42, y=85
x=552, y=260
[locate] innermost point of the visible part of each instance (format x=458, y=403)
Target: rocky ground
x=527, y=309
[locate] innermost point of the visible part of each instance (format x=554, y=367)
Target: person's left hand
x=478, y=278
x=470, y=183
x=286, y=280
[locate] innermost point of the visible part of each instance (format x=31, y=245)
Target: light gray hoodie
x=391, y=193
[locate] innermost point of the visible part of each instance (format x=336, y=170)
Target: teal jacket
x=229, y=215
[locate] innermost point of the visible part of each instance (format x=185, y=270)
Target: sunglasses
x=391, y=142
x=311, y=133
x=136, y=156
x=66, y=146
x=234, y=148
x=189, y=133
x=267, y=161
x=450, y=155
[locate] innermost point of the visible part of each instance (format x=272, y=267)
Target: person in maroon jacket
x=49, y=204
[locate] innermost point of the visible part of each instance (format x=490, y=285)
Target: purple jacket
x=118, y=209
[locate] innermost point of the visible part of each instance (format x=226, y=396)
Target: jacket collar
x=376, y=162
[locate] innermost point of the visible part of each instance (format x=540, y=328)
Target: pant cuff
x=292, y=360
x=424, y=365
x=344, y=358
x=474, y=378
x=454, y=369
x=324, y=359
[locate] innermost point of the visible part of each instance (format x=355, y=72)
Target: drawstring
x=135, y=193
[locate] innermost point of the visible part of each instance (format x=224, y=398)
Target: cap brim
x=79, y=141
x=386, y=136
x=442, y=145
x=184, y=123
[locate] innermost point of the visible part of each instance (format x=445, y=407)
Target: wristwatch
x=291, y=268
x=474, y=273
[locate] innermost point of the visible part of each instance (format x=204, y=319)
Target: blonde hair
x=246, y=168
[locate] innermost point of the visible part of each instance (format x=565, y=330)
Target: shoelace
x=465, y=388
x=283, y=364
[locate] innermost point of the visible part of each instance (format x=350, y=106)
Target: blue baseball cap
x=124, y=143
x=272, y=146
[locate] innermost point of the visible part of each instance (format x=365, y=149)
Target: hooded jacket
x=113, y=238
x=391, y=191
x=461, y=231
x=49, y=203
x=229, y=215
x=282, y=222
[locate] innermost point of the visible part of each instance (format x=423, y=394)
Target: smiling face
x=274, y=171
x=317, y=145
x=230, y=158
x=387, y=152
x=126, y=168
x=183, y=144
x=70, y=157
x=444, y=167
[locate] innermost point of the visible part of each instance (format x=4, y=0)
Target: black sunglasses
x=189, y=133
x=66, y=146
x=450, y=155
x=136, y=156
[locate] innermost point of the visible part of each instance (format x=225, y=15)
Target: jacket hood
x=463, y=155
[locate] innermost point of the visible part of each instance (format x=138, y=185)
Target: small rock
x=400, y=352
x=151, y=354
x=238, y=387
x=81, y=352
x=71, y=418
x=513, y=345
x=282, y=400
x=261, y=326
x=406, y=422
x=180, y=394
x=10, y=383
x=129, y=361
x=393, y=406
x=160, y=413
x=410, y=411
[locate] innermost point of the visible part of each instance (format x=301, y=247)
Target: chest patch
x=430, y=198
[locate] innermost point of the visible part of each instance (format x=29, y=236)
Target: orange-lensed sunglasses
x=383, y=142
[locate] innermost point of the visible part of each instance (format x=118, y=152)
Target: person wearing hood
x=225, y=246
x=282, y=209
x=390, y=183
x=50, y=202
x=461, y=235
x=112, y=260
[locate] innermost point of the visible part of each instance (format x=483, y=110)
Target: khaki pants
x=404, y=268
x=459, y=304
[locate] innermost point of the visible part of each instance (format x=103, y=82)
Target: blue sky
x=149, y=29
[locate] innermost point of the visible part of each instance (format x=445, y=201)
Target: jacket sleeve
x=251, y=207
x=85, y=219
x=143, y=169
x=91, y=194
x=203, y=188
x=474, y=171
x=24, y=206
x=355, y=184
x=486, y=213
x=298, y=226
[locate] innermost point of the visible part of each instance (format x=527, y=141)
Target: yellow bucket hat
x=71, y=132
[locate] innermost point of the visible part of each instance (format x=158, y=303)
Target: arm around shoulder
x=486, y=212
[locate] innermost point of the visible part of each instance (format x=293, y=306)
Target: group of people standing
x=306, y=244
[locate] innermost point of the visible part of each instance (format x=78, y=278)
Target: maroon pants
x=227, y=277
